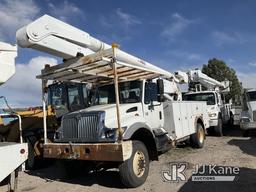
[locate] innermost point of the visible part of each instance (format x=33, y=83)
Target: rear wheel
x=31, y=162
x=134, y=171
x=218, y=128
x=197, y=139
x=246, y=133
x=231, y=120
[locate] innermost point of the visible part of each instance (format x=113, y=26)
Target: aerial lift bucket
x=8, y=53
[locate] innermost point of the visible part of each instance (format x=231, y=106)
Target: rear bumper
x=96, y=152
x=247, y=125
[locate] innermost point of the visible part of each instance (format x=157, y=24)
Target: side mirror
x=160, y=90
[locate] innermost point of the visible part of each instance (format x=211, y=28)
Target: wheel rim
x=200, y=135
x=139, y=163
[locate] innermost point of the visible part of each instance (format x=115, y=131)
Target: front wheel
x=197, y=139
x=218, y=128
x=134, y=171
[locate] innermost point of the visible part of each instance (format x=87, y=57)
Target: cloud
x=248, y=79
x=65, y=10
x=126, y=18
x=120, y=19
x=177, y=26
x=23, y=89
x=252, y=63
x=14, y=14
x=220, y=37
x=184, y=55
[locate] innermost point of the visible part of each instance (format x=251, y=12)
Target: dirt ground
x=229, y=150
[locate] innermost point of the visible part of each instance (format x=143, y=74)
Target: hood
x=127, y=118
x=211, y=108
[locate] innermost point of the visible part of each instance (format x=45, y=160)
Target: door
x=153, y=110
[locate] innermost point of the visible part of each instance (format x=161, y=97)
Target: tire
x=246, y=133
x=218, y=129
x=197, y=139
x=231, y=120
x=134, y=171
x=31, y=162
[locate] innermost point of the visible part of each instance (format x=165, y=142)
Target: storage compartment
x=180, y=117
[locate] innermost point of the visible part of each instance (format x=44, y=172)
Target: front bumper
x=247, y=125
x=213, y=122
x=90, y=151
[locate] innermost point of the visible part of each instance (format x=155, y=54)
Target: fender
x=134, y=127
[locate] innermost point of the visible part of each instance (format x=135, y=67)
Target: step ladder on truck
x=136, y=109
x=12, y=155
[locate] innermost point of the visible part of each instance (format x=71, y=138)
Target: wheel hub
x=139, y=163
x=201, y=135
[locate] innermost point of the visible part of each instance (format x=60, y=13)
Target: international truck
x=248, y=115
x=135, y=109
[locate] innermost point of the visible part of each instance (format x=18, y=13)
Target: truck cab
x=66, y=97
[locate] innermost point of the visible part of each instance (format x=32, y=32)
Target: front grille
x=81, y=128
x=254, y=115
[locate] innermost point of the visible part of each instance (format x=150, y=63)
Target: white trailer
x=12, y=155
x=135, y=109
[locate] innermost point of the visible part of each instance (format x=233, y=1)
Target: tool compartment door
x=180, y=117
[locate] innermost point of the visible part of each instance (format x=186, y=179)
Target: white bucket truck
x=135, y=107
x=12, y=155
x=248, y=115
x=219, y=112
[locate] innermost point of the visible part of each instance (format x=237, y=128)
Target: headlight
x=58, y=134
x=245, y=120
x=212, y=114
x=110, y=134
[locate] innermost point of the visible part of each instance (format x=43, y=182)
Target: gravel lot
x=229, y=150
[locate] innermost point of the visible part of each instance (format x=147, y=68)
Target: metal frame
x=102, y=67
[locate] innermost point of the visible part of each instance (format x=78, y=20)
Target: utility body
x=218, y=110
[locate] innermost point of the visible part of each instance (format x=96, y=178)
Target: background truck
x=248, y=115
x=214, y=94
x=135, y=107
x=12, y=155
x=62, y=97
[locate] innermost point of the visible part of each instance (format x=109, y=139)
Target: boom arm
x=196, y=76
x=53, y=36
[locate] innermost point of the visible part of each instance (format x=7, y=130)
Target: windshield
x=208, y=97
x=252, y=95
x=129, y=92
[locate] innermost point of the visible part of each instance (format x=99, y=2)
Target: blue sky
x=171, y=34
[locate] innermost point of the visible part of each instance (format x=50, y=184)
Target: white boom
x=53, y=36
x=8, y=53
x=198, y=77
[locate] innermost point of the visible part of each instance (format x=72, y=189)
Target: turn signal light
x=22, y=151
